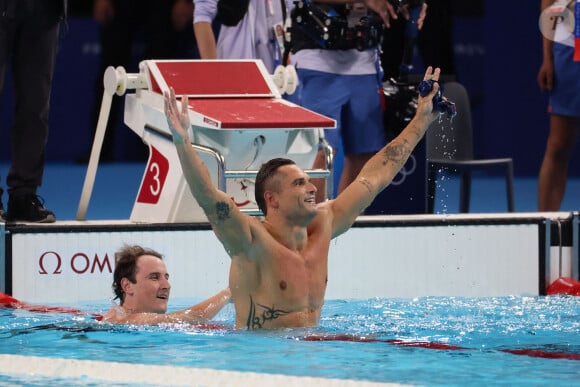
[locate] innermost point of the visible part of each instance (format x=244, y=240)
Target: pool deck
x=140, y=374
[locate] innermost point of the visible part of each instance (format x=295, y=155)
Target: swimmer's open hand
x=425, y=103
x=177, y=120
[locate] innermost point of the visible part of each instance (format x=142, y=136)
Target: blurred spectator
x=434, y=42
x=158, y=26
x=341, y=79
x=560, y=75
x=250, y=30
x=29, y=32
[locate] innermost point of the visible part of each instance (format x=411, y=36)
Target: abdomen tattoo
x=257, y=318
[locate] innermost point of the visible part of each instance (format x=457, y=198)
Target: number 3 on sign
x=154, y=179
x=155, y=187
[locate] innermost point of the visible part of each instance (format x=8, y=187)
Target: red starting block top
x=211, y=79
x=232, y=94
x=248, y=113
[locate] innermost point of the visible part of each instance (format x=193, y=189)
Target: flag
x=577, y=31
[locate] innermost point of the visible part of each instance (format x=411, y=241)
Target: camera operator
x=335, y=48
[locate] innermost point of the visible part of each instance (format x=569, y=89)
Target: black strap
x=287, y=44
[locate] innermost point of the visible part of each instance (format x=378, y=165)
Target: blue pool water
x=477, y=336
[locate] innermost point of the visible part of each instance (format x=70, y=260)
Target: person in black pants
x=434, y=42
x=29, y=31
x=153, y=28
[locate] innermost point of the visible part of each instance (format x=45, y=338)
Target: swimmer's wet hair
x=126, y=266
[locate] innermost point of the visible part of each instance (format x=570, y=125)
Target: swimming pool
x=430, y=341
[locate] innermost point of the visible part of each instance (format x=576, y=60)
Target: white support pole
x=115, y=81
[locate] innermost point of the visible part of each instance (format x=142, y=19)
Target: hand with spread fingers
x=178, y=121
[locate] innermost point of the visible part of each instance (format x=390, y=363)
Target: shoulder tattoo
x=222, y=210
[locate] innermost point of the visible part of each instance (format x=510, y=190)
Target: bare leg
x=554, y=169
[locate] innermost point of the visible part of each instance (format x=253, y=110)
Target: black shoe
x=28, y=208
x=2, y=213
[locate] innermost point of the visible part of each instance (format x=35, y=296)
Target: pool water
x=431, y=341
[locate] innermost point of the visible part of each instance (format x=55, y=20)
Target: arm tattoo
x=268, y=313
x=222, y=210
x=396, y=152
x=366, y=183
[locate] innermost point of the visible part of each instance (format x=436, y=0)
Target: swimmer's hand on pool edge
x=200, y=313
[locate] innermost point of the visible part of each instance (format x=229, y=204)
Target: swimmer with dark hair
x=141, y=284
x=279, y=266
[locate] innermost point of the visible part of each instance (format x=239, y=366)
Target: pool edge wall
x=463, y=255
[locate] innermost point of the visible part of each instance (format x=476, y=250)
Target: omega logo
x=50, y=262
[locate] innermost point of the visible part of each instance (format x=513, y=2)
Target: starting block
x=239, y=121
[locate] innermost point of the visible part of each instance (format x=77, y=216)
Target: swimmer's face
x=150, y=292
x=296, y=194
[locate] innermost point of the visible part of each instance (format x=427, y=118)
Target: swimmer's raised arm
x=380, y=170
x=230, y=225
